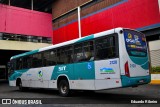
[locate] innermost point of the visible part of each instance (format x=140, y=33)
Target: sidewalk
x=155, y=82
x=155, y=79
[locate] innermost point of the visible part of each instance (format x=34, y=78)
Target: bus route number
x=113, y=62
x=132, y=65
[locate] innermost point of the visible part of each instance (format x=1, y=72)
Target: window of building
x=24, y=38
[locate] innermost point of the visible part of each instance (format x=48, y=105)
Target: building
x=24, y=25
x=100, y=15
x=30, y=20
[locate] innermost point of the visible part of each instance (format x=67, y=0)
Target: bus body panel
x=12, y=83
x=82, y=84
x=102, y=84
x=136, y=53
x=107, y=69
x=138, y=66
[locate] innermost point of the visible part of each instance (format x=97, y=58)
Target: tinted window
x=37, y=60
x=69, y=54
x=105, y=47
x=135, y=43
x=88, y=51
x=19, y=64
x=49, y=58
x=27, y=62
x=78, y=53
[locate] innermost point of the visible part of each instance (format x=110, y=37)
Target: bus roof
x=68, y=42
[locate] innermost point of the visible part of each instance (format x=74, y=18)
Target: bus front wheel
x=63, y=88
x=21, y=88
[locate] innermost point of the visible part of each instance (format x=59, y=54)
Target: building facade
x=24, y=25
x=100, y=15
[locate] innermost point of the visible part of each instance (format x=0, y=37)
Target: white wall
x=154, y=47
x=19, y=45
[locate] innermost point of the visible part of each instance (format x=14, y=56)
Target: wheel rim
x=20, y=85
x=64, y=89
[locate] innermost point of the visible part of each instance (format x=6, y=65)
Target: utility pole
x=9, y=2
x=31, y=4
x=79, y=21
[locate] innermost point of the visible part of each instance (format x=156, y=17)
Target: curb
x=155, y=82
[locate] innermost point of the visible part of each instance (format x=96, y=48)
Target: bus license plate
x=141, y=81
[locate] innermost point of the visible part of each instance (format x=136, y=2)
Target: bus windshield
x=135, y=43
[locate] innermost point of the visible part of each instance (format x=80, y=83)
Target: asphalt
x=105, y=98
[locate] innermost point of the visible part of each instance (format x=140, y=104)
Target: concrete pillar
x=40, y=39
x=1, y=36
x=32, y=6
x=9, y=2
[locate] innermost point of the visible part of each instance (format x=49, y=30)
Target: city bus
x=110, y=59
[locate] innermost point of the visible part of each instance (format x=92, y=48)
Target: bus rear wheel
x=63, y=88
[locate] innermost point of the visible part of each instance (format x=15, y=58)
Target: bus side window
x=37, y=60
x=105, y=48
x=53, y=57
x=49, y=58
x=26, y=62
x=102, y=48
x=69, y=54
x=112, y=48
x=19, y=64
x=88, y=51
x=78, y=53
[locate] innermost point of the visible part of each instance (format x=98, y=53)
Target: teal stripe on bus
x=131, y=81
x=25, y=54
x=143, y=61
x=17, y=73
x=76, y=71
x=86, y=38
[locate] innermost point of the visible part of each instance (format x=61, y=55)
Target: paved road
x=88, y=99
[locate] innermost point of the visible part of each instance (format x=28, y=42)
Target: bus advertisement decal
x=107, y=71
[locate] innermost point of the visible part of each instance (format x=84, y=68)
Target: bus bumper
x=134, y=81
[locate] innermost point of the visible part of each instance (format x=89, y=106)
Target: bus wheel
x=63, y=88
x=21, y=88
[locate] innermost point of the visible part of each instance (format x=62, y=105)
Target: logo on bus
x=62, y=68
x=107, y=71
x=89, y=66
x=40, y=74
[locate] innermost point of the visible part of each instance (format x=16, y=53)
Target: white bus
x=109, y=59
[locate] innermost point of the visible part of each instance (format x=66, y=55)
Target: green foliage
x=155, y=70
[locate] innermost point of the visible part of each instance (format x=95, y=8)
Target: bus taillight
x=126, y=69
